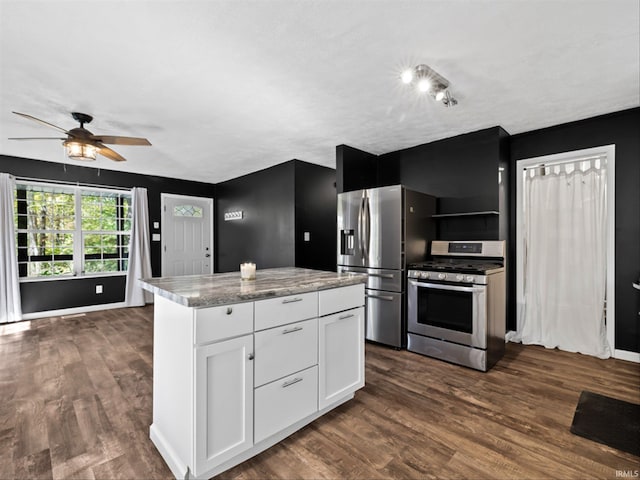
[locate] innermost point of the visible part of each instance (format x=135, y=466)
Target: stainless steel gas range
x=456, y=303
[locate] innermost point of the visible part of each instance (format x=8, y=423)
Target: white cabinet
x=224, y=401
x=281, y=310
x=230, y=381
x=218, y=323
x=341, y=355
x=286, y=349
x=282, y=403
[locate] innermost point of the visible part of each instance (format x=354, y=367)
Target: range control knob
x=442, y=276
x=459, y=278
x=424, y=274
x=469, y=279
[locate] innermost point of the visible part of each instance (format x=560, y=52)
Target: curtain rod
x=76, y=184
x=567, y=162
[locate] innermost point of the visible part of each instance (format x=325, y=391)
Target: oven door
x=456, y=313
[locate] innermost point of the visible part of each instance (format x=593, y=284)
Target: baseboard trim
x=72, y=311
x=626, y=355
x=171, y=458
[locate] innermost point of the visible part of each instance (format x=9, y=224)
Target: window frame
x=78, y=258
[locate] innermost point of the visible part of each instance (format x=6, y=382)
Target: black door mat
x=607, y=420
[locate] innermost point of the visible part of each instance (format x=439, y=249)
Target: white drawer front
x=340, y=299
x=282, y=350
x=281, y=403
x=282, y=310
x=217, y=323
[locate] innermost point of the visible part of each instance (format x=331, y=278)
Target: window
x=187, y=211
x=68, y=231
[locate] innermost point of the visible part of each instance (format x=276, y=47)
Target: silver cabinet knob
x=250, y=356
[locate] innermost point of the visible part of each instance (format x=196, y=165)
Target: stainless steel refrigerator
x=381, y=231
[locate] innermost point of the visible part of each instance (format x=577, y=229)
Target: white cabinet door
x=341, y=355
x=224, y=401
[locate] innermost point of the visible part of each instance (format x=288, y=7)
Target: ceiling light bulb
x=407, y=76
x=440, y=95
x=424, y=85
x=80, y=151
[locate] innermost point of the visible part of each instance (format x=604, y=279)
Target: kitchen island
x=240, y=365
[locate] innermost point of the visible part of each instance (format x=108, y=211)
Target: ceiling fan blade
x=110, y=154
x=36, y=138
x=117, y=140
x=30, y=117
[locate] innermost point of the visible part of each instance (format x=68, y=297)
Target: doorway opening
x=565, y=247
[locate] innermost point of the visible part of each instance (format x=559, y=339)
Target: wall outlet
x=98, y=288
x=156, y=225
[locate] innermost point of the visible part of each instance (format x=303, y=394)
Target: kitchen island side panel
x=173, y=334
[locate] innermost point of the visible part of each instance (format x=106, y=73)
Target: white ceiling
x=223, y=88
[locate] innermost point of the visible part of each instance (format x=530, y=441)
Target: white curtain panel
x=139, y=250
x=10, y=306
x=565, y=261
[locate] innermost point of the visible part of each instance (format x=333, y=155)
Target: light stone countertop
x=228, y=288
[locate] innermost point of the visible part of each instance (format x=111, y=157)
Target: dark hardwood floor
x=75, y=403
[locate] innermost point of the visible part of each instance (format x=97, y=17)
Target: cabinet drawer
x=282, y=350
x=282, y=310
x=217, y=323
x=282, y=403
x=340, y=299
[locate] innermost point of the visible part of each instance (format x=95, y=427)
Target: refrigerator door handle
x=361, y=228
x=368, y=229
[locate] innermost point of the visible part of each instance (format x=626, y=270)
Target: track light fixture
x=427, y=80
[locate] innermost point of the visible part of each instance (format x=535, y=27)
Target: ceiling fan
x=81, y=144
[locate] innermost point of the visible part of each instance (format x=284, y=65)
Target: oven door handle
x=441, y=286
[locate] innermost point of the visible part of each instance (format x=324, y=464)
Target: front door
x=187, y=235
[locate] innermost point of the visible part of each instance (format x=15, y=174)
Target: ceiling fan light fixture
x=80, y=151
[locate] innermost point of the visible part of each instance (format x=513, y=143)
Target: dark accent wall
x=462, y=172
x=79, y=292
x=623, y=130
x=355, y=169
x=279, y=204
x=265, y=235
x=316, y=206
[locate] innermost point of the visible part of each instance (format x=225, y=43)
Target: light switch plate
x=155, y=237
x=307, y=236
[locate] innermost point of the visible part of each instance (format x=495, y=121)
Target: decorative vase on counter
x=248, y=271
